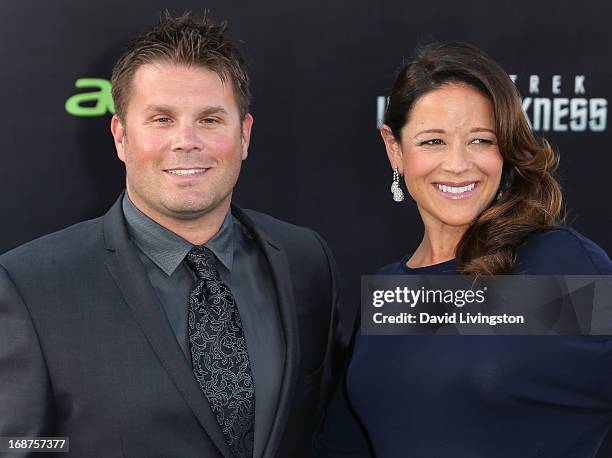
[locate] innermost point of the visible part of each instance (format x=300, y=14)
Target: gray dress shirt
x=245, y=270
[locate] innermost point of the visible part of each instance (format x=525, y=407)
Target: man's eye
x=162, y=120
x=210, y=120
x=433, y=141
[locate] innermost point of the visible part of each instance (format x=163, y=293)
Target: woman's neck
x=438, y=245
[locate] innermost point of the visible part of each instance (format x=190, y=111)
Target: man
x=176, y=325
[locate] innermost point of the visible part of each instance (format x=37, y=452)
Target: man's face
x=182, y=141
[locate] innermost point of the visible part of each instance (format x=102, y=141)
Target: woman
x=485, y=190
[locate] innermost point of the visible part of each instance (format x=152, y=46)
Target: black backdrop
x=318, y=68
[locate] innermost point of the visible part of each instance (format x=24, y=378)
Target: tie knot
x=202, y=262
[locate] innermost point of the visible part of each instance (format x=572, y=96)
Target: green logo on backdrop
x=97, y=102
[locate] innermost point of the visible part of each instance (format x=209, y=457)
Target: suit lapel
x=126, y=269
x=281, y=278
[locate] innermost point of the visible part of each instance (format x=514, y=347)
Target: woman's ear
x=394, y=150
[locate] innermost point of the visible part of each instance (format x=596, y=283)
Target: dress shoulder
x=391, y=269
x=562, y=251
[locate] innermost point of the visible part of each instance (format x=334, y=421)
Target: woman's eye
x=433, y=141
x=482, y=141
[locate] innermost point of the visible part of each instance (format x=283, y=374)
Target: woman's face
x=448, y=155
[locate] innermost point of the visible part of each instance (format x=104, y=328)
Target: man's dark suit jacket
x=86, y=350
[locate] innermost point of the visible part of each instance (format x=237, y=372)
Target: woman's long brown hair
x=531, y=197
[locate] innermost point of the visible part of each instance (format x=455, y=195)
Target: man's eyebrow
x=156, y=107
x=211, y=110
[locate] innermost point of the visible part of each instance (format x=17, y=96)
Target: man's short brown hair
x=183, y=40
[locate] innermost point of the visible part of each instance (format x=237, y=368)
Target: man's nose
x=186, y=138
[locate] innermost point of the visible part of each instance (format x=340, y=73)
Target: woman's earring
x=396, y=190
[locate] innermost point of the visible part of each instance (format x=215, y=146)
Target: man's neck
x=197, y=230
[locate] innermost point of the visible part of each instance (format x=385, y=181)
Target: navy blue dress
x=479, y=396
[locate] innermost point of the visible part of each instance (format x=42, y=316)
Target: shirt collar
x=167, y=249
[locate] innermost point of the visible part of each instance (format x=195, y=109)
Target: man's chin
x=190, y=210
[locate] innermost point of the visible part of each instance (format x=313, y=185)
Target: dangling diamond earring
x=396, y=190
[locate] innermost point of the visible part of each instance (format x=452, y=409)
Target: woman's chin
x=458, y=220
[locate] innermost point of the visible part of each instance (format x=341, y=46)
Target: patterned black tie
x=219, y=353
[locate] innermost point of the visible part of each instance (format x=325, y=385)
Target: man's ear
x=394, y=150
x=247, y=124
x=118, y=132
